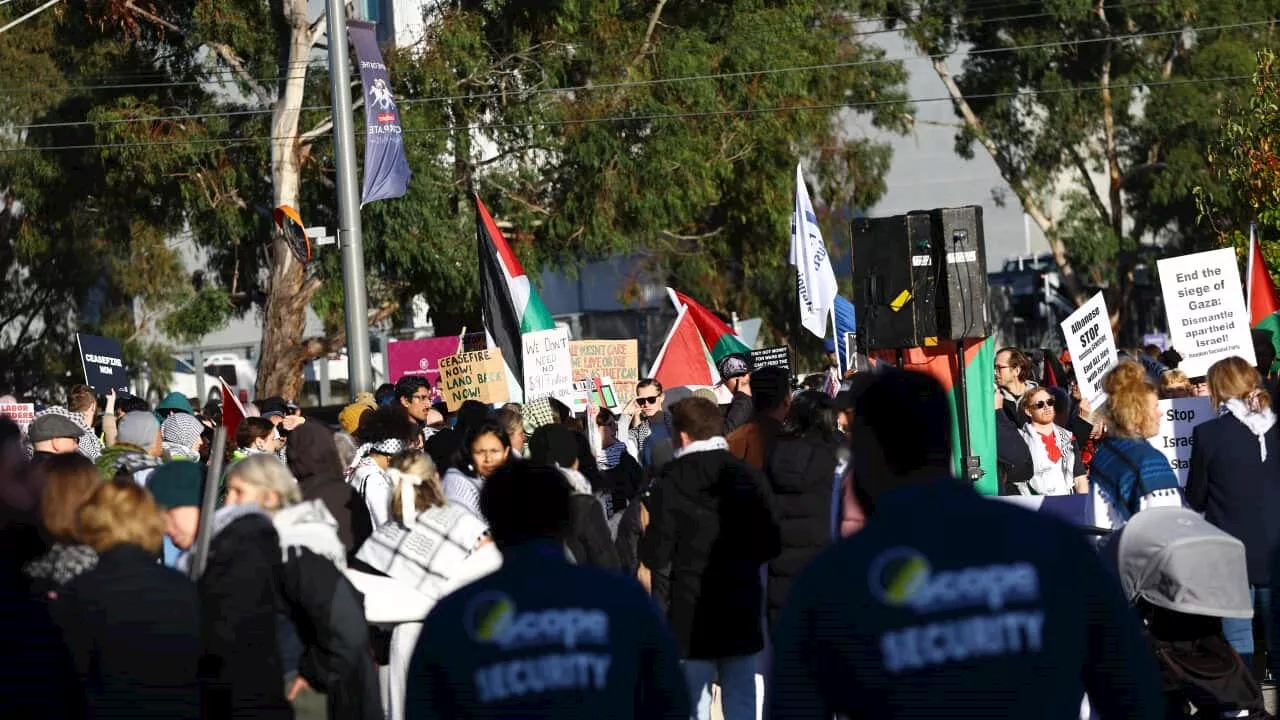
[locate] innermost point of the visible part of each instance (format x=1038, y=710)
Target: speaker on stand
x=920, y=277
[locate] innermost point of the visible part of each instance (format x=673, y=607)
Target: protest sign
x=479, y=376
x=1092, y=346
x=1205, y=307
x=20, y=413
x=1178, y=417
x=772, y=357
x=548, y=368
x=421, y=357
x=618, y=360
x=103, y=362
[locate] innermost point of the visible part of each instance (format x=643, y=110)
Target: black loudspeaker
x=895, y=281
x=920, y=277
x=963, y=308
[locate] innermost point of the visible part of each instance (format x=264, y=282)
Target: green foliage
x=693, y=178
x=1245, y=164
x=165, y=119
x=1037, y=81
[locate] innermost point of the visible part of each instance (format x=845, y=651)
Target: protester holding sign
x=735, y=371
x=1235, y=482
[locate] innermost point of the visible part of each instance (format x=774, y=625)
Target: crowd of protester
x=412, y=561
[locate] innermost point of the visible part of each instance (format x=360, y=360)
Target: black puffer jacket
x=712, y=522
x=241, y=670
x=313, y=460
x=801, y=473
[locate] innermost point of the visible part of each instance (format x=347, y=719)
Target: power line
x=663, y=81
x=660, y=116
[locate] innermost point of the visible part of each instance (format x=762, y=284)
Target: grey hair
x=265, y=471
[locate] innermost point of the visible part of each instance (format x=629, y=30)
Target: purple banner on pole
x=386, y=171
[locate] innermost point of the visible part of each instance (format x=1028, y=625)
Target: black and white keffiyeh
x=90, y=445
x=427, y=554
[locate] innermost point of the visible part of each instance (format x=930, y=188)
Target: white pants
x=393, y=677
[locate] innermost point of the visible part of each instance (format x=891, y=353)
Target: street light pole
x=355, y=304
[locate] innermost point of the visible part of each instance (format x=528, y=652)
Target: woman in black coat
x=801, y=472
x=1235, y=481
x=131, y=625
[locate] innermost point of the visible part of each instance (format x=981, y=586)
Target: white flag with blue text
x=816, y=280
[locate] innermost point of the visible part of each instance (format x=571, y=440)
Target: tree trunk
x=288, y=292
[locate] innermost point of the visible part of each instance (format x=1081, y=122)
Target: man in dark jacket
x=241, y=669
x=802, y=477
x=588, y=539
x=312, y=457
x=541, y=638
x=712, y=525
x=771, y=399
x=735, y=372
x=948, y=604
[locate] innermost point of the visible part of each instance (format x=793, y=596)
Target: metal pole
x=359, y=375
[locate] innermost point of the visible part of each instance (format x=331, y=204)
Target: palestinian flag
x=683, y=360
x=1263, y=303
x=979, y=358
x=716, y=335
x=510, y=304
x=232, y=411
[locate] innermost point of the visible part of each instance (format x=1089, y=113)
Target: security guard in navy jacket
x=541, y=638
x=951, y=605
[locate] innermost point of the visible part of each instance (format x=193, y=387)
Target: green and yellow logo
x=897, y=575
x=489, y=616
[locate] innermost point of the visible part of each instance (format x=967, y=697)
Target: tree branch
x=700, y=236
x=233, y=59
x=324, y=126
x=647, y=45
x=507, y=153
x=316, y=347
x=1030, y=204
x=1098, y=204
x=153, y=18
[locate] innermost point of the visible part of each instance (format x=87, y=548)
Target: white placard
x=548, y=366
x=1203, y=301
x=1092, y=346
x=1178, y=418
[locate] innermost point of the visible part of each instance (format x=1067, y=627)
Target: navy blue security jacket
x=950, y=605
x=541, y=638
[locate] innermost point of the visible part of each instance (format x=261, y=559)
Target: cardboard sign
x=618, y=360
x=420, y=357
x=103, y=362
x=479, y=376
x=1203, y=301
x=772, y=357
x=1092, y=346
x=548, y=368
x=20, y=413
x=1178, y=417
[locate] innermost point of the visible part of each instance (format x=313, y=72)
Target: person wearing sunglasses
x=1057, y=466
x=646, y=422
